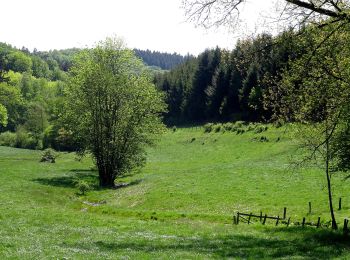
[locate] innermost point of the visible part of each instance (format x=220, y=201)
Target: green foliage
x=25, y=140
x=3, y=115
x=315, y=92
x=112, y=108
x=32, y=102
x=221, y=86
x=228, y=126
x=165, y=61
x=218, y=128
x=19, y=62
x=208, y=127
x=8, y=139
x=82, y=186
x=48, y=155
x=36, y=119
x=260, y=129
x=342, y=147
x=40, y=68
x=10, y=98
x=240, y=124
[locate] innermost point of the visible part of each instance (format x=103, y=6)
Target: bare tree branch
x=210, y=13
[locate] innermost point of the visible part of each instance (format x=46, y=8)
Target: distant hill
x=165, y=61
x=53, y=64
x=154, y=59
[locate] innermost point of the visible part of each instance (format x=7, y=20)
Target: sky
x=144, y=24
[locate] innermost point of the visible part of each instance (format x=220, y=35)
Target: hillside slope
x=180, y=205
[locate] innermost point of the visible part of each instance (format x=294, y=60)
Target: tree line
x=162, y=60
x=222, y=85
x=33, y=88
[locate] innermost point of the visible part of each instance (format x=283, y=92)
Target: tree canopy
x=112, y=108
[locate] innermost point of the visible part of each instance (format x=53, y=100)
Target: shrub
x=240, y=131
x=24, y=140
x=82, y=186
x=251, y=127
x=234, y=128
x=263, y=139
x=260, y=129
x=217, y=128
x=48, y=155
x=240, y=124
x=278, y=124
x=8, y=139
x=48, y=137
x=208, y=127
x=228, y=126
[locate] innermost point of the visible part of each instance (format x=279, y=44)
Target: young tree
x=315, y=92
x=113, y=108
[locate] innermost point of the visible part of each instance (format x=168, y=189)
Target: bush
x=8, y=139
x=48, y=137
x=24, y=140
x=240, y=124
x=264, y=139
x=208, y=127
x=49, y=155
x=82, y=186
x=260, y=129
x=217, y=128
x=228, y=126
x=240, y=131
x=278, y=124
x=251, y=127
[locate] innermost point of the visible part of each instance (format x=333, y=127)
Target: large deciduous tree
x=113, y=108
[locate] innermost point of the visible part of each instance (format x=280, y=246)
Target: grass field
x=179, y=206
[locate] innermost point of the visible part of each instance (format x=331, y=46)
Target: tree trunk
x=106, y=181
x=106, y=175
x=334, y=223
x=329, y=186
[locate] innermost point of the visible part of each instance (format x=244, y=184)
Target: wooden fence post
x=234, y=220
x=288, y=222
x=265, y=219
x=318, y=222
x=237, y=218
x=339, y=204
x=345, y=228
x=303, y=224
x=284, y=213
x=309, y=207
x=278, y=219
x=250, y=215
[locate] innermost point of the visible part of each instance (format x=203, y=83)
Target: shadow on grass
x=69, y=180
x=90, y=176
x=296, y=243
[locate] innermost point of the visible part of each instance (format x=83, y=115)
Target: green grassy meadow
x=179, y=206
